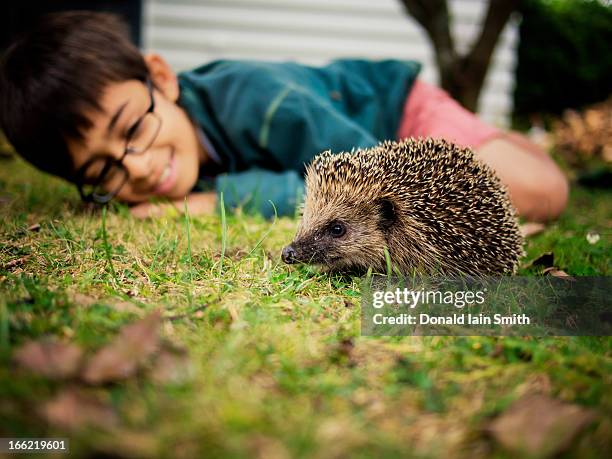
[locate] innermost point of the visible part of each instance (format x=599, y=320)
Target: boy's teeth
x=165, y=175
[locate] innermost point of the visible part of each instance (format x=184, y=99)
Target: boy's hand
x=197, y=204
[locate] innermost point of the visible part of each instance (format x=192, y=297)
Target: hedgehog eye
x=337, y=230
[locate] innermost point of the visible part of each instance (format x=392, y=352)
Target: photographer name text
x=454, y=319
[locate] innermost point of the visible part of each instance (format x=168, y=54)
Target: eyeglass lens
x=111, y=173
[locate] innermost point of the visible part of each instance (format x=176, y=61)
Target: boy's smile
x=167, y=178
x=166, y=155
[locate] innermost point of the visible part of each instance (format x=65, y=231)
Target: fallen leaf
x=580, y=136
x=16, y=262
x=75, y=409
x=539, y=426
x=556, y=272
x=50, y=358
x=532, y=228
x=126, y=353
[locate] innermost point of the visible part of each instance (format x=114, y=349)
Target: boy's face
x=169, y=167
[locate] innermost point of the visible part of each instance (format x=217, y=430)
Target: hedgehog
x=427, y=204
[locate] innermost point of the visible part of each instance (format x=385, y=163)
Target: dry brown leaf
x=539, y=426
x=126, y=353
x=532, y=228
x=556, y=272
x=16, y=262
x=75, y=409
x=50, y=358
x=580, y=136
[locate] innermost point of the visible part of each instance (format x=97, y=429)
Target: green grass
x=278, y=366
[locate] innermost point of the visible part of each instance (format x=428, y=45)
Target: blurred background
x=520, y=63
x=190, y=32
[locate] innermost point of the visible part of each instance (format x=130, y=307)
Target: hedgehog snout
x=288, y=255
x=302, y=251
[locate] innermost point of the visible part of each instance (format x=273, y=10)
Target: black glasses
x=101, y=178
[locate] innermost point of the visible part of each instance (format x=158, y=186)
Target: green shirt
x=266, y=121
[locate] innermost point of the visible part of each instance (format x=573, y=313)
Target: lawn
x=249, y=357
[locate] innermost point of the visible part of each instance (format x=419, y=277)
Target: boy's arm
x=262, y=191
x=538, y=188
x=255, y=190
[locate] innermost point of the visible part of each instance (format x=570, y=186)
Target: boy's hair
x=56, y=72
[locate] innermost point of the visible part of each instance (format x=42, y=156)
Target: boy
x=78, y=100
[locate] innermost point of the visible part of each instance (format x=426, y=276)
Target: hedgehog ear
x=387, y=213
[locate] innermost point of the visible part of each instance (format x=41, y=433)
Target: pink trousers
x=431, y=112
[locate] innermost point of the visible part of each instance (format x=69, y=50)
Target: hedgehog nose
x=288, y=255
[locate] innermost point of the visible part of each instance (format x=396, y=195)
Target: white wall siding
x=191, y=32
